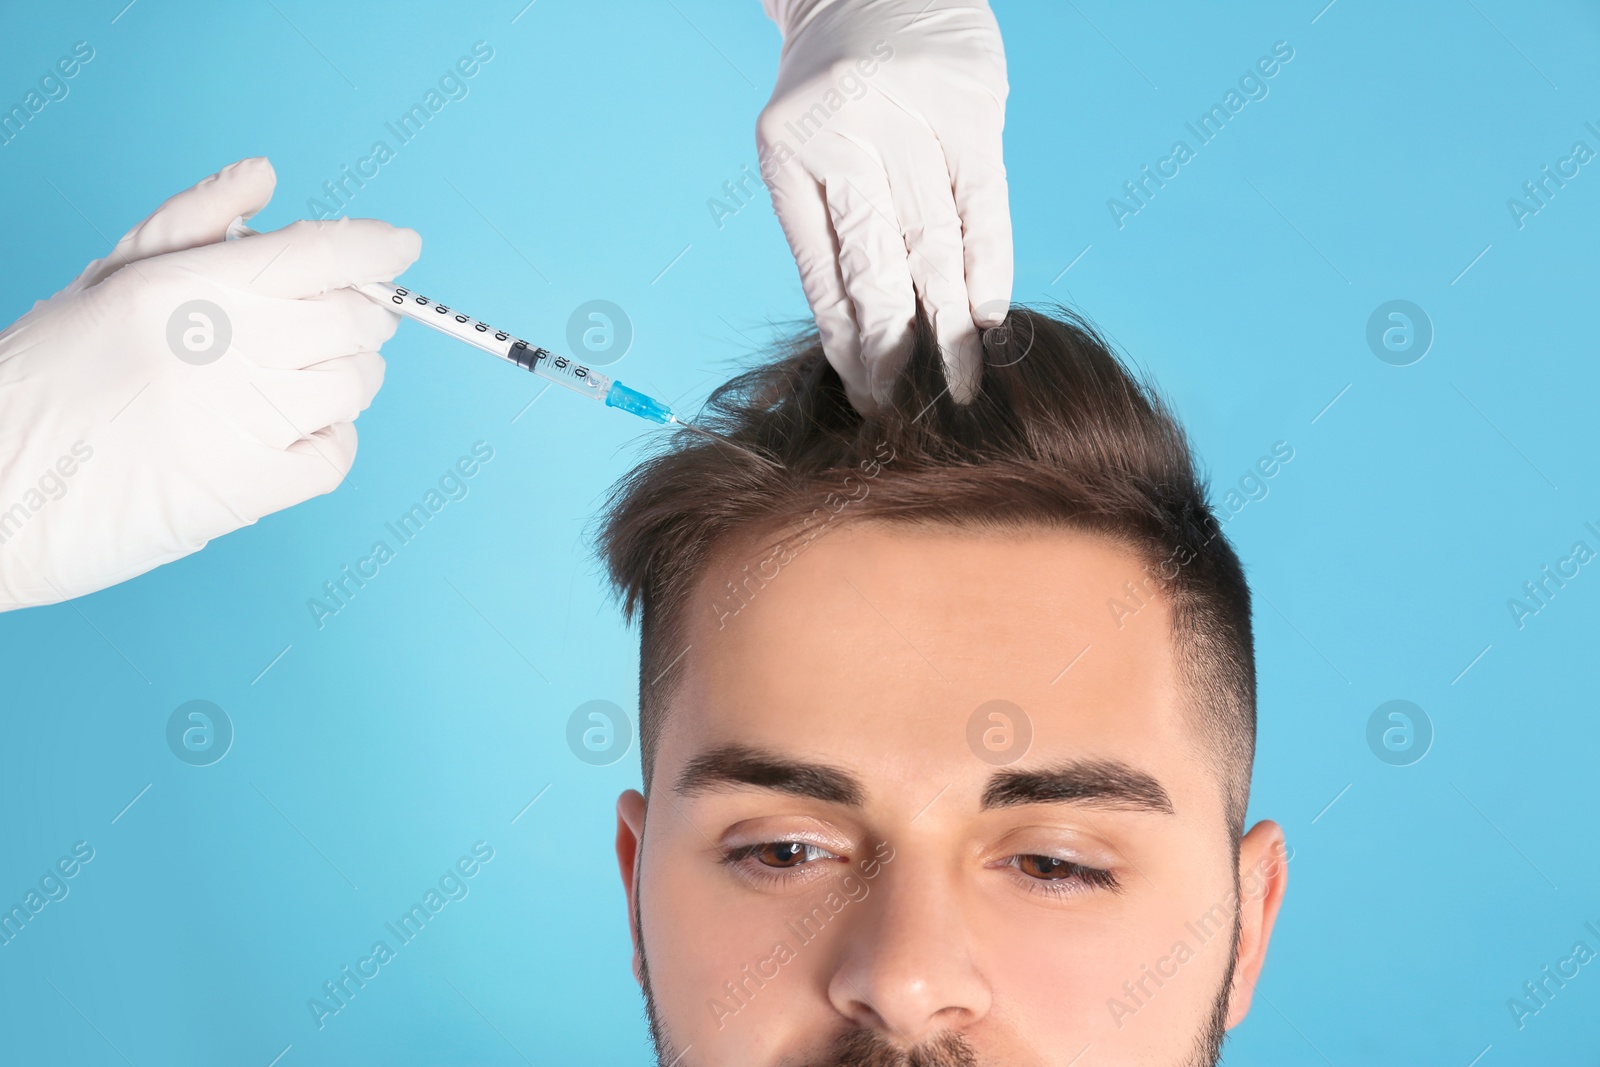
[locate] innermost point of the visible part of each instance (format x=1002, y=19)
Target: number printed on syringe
x=462, y=321
x=561, y=369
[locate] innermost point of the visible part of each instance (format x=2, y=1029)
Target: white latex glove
x=881, y=149
x=117, y=455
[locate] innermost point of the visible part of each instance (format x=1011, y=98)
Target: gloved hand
x=182, y=387
x=881, y=149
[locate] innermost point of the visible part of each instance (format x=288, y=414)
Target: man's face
x=845, y=860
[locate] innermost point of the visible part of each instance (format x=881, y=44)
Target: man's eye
x=788, y=853
x=781, y=865
x=764, y=860
x=1052, y=874
x=1045, y=867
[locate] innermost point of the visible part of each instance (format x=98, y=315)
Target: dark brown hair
x=1059, y=435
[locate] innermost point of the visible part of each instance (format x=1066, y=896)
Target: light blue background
x=379, y=748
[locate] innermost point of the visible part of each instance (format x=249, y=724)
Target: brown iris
x=1045, y=867
x=782, y=854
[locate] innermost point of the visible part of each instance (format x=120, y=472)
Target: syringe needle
x=721, y=440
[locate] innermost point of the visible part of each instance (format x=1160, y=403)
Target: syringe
x=546, y=364
x=561, y=370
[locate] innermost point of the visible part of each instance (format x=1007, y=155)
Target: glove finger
x=926, y=208
x=322, y=460
x=200, y=215
x=872, y=259
x=803, y=212
x=197, y=216
x=978, y=176
x=290, y=334
x=311, y=466
x=282, y=407
x=308, y=258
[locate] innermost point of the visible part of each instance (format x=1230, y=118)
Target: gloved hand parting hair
x=881, y=148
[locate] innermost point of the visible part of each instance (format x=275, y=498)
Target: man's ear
x=1263, y=877
x=630, y=838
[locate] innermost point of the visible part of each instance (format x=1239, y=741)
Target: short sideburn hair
x=1060, y=435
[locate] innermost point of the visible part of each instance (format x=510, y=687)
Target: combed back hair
x=1059, y=436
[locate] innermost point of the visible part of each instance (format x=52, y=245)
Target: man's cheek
x=729, y=975
x=854, y=888
x=1095, y=978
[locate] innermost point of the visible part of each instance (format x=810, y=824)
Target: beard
x=1208, y=1042
x=869, y=1048
x=666, y=1055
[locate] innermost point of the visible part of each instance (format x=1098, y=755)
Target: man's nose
x=907, y=966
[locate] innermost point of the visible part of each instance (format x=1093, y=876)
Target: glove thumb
x=194, y=217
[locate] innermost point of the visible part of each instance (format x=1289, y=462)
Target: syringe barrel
x=563, y=370
x=441, y=317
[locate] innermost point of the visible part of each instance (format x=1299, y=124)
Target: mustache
x=868, y=1048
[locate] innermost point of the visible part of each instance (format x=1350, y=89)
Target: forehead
x=876, y=645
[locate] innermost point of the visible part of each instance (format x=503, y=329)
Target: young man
x=947, y=716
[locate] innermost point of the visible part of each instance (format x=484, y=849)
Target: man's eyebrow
x=1097, y=783
x=743, y=765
